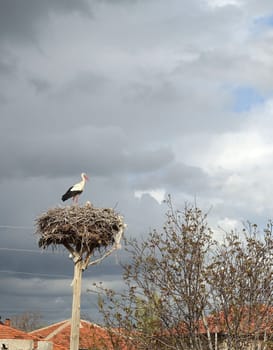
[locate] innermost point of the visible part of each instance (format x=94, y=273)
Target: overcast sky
x=148, y=97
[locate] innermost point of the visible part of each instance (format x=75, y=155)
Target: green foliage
x=146, y=314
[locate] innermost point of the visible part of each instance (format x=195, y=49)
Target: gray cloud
x=7, y=64
x=175, y=178
x=141, y=98
x=163, y=91
x=98, y=150
x=40, y=85
x=85, y=83
x=20, y=21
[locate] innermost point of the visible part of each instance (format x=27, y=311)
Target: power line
x=22, y=250
x=34, y=274
x=30, y=250
x=17, y=227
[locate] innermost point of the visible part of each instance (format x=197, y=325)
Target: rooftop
x=91, y=335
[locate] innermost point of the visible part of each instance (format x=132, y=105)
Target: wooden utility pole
x=81, y=230
x=76, y=306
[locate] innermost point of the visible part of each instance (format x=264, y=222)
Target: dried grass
x=83, y=228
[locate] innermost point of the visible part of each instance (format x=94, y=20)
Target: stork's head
x=84, y=176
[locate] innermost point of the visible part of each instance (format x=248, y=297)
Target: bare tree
x=185, y=291
x=27, y=321
x=240, y=277
x=166, y=290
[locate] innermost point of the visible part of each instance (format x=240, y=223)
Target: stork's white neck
x=84, y=177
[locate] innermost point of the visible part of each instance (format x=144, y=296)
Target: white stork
x=75, y=190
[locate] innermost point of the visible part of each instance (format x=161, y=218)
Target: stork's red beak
x=86, y=177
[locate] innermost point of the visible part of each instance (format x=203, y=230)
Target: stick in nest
x=80, y=228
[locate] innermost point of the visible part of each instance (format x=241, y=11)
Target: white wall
x=17, y=344
x=45, y=345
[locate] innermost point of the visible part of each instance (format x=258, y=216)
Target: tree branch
x=97, y=261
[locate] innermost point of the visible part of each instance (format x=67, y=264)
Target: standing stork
x=75, y=190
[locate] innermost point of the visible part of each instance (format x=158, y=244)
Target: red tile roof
x=91, y=335
x=247, y=320
x=59, y=347
x=7, y=332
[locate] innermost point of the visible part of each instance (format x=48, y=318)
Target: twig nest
x=84, y=228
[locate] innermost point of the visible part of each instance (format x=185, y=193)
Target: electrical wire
x=31, y=250
x=14, y=227
x=34, y=274
x=22, y=250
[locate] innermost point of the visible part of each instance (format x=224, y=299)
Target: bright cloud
x=221, y=3
x=157, y=194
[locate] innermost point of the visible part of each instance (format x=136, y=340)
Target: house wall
x=17, y=344
x=253, y=346
x=45, y=345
